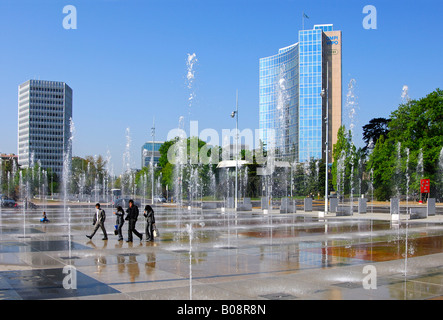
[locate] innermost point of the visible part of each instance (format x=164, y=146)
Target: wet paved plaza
x=207, y=255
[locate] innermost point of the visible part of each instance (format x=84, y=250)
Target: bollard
x=308, y=204
x=362, y=205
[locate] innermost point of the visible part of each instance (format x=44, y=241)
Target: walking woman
x=150, y=222
x=119, y=222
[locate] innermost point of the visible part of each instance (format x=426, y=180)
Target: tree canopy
x=376, y=128
x=410, y=149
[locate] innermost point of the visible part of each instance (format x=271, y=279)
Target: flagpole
x=303, y=21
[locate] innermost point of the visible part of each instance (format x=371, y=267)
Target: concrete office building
x=291, y=106
x=44, y=118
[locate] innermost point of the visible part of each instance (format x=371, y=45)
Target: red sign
x=425, y=186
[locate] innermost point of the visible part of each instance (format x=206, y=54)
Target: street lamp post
x=152, y=158
x=325, y=94
x=235, y=114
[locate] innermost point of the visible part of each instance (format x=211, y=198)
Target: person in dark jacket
x=99, y=222
x=131, y=217
x=150, y=222
x=119, y=222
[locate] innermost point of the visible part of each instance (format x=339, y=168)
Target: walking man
x=99, y=222
x=131, y=217
x=150, y=223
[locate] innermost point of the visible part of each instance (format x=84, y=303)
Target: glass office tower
x=310, y=102
x=290, y=103
x=279, y=101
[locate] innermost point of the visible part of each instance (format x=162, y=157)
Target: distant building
x=11, y=158
x=147, y=153
x=44, y=118
x=228, y=151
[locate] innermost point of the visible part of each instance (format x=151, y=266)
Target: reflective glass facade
x=311, y=103
x=324, y=27
x=279, y=101
x=290, y=102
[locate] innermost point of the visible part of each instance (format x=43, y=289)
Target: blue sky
x=126, y=61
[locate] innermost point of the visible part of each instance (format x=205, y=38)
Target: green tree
x=381, y=164
x=373, y=131
x=87, y=173
x=341, y=154
x=193, y=166
x=415, y=128
x=349, y=163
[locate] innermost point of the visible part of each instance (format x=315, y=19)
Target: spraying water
x=23, y=194
x=180, y=161
x=190, y=77
x=192, y=59
x=351, y=105
x=67, y=171
x=352, y=185
x=126, y=188
x=282, y=98
x=340, y=175
x=190, y=232
x=109, y=170
x=405, y=95
x=407, y=179
x=67, y=161
x=398, y=171
x=193, y=172
x=420, y=170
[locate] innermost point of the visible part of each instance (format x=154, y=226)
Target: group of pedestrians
x=132, y=214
